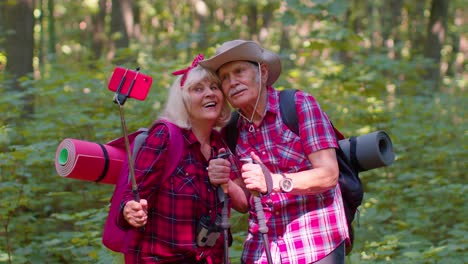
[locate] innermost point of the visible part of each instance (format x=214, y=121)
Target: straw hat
x=236, y=50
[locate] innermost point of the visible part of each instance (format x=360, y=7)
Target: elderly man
x=304, y=212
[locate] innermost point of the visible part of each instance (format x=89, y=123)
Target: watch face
x=286, y=184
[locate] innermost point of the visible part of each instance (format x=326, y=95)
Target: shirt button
x=277, y=213
x=263, y=152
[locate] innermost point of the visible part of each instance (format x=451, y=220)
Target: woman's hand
x=136, y=213
x=219, y=171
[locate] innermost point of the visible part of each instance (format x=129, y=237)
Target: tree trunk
x=416, y=26
x=393, y=39
x=453, y=68
x=121, y=27
x=252, y=21
x=51, y=20
x=40, y=47
x=285, y=47
x=201, y=26
x=137, y=22
x=436, y=33
x=19, y=46
x=99, y=37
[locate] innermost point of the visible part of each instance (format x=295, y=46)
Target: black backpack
x=350, y=183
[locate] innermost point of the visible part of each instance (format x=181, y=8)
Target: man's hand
x=253, y=176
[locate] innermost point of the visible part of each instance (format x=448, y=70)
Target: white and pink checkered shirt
x=301, y=228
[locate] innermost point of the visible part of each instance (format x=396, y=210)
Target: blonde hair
x=178, y=98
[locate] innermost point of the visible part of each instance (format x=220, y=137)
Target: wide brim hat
x=243, y=50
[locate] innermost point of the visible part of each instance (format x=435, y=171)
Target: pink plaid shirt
x=301, y=228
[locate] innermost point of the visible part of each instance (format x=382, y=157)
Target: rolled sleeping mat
x=89, y=161
x=373, y=150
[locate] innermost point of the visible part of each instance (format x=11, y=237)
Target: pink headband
x=185, y=71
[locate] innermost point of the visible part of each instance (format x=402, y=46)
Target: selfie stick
x=262, y=227
x=120, y=99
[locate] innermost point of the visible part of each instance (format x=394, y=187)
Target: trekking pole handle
x=225, y=214
x=224, y=155
x=225, y=210
x=262, y=227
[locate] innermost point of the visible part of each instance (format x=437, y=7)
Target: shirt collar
x=272, y=100
x=192, y=139
x=271, y=107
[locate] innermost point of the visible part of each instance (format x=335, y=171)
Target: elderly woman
x=177, y=220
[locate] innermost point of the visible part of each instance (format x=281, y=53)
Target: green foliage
x=46, y=217
x=426, y=212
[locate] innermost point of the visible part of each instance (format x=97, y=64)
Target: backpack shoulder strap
x=289, y=116
x=231, y=131
x=174, y=147
x=137, y=142
x=288, y=112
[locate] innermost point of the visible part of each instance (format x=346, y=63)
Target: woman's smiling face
x=206, y=101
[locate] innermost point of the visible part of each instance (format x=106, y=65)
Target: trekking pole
x=225, y=215
x=120, y=99
x=225, y=226
x=262, y=227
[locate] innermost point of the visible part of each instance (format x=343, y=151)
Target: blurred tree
x=436, y=35
x=391, y=21
x=19, y=46
x=98, y=29
x=122, y=26
x=51, y=28
x=200, y=23
x=454, y=61
x=416, y=25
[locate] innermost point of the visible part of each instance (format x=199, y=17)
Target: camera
x=208, y=233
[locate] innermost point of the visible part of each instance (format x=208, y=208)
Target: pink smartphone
x=130, y=83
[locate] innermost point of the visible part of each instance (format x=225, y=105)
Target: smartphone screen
x=124, y=79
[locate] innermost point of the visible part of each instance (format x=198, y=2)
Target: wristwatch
x=285, y=184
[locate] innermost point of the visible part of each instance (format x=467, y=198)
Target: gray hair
x=178, y=99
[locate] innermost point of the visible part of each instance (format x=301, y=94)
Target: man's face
x=239, y=81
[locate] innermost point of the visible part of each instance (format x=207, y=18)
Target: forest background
x=393, y=65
